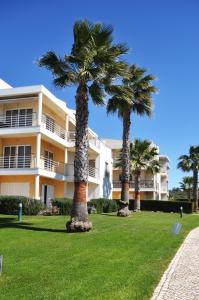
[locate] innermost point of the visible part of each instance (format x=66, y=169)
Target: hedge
x=102, y=205
x=10, y=205
x=165, y=206
x=64, y=205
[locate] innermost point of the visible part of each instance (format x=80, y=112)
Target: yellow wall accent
x=117, y=195
x=20, y=179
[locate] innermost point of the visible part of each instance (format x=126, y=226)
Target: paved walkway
x=181, y=279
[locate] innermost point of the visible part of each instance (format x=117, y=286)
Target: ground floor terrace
x=40, y=187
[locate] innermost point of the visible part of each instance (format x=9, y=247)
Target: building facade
x=37, y=146
x=152, y=187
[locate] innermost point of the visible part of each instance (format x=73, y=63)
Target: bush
x=104, y=205
x=10, y=205
x=165, y=206
x=64, y=205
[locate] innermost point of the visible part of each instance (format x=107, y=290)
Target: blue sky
x=163, y=37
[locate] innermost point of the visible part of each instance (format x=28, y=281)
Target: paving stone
x=181, y=279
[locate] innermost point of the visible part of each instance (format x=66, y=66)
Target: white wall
x=105, y=190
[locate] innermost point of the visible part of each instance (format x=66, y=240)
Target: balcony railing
x=164, y=187
x=92, y=140
x=144, y=184
x=92, y=172
x=15, y=162
x=52, y=166
x=163, y=169
x=26, y=120
x=53, y=127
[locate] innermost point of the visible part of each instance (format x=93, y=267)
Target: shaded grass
x=121, y=258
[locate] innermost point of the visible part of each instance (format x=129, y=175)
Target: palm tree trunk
x=124, y=202
x=79, y=216
x=195, y=189
x=137, y=191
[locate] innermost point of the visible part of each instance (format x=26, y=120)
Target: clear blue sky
x=163, y=37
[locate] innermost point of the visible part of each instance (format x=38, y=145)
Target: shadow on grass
x=12, y=223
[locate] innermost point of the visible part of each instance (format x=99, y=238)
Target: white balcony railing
x=164, y=187
x=53, y=127
x=146, y=184
x=93, y=140
x=52, y=166
x=19, y=120
x=93, y=172
x=163, y=169
x=17, y=162
x=29, y=161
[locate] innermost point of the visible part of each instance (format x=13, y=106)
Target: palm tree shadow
x=11, y=223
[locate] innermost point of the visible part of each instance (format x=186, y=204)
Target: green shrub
x=104, y=205
x=64, y=205
x=165, y=206
x=10, y=205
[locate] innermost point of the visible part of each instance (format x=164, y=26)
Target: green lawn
x=121, y=258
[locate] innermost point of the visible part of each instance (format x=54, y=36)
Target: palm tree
x=187, y=185
x=133, y=96
x=93, y=63
x=143, y=156
x=189, y=163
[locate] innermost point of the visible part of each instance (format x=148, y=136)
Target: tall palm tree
x=189, y=163
x=93, y=63
x=187, y=185
x=133, y=96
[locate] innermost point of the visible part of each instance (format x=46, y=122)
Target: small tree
x=187, y=186
x=143, y=156
x=189, y=163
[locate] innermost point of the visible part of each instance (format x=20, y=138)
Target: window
x=17, y=157
x=107, y=171
x=19, y=117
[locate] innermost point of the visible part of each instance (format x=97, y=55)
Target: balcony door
x=17, y=156
x=10, y=157
x=19, y=117
x=24, y=157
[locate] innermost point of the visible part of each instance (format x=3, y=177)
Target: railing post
x=38, y=149
x=39, y=109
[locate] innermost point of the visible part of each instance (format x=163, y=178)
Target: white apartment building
x=153, y=187
x=37, y=145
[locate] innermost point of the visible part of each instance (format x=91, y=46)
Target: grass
x=121, y=258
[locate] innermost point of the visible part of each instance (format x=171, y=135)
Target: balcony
x=49, y=124
x=144, y=184
x=52, y=166
x=18, y=120
x=164, y=187
x=92, y=172
x=92, y=139
x=163, y=169
x=18, y=162
x=29, y=162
